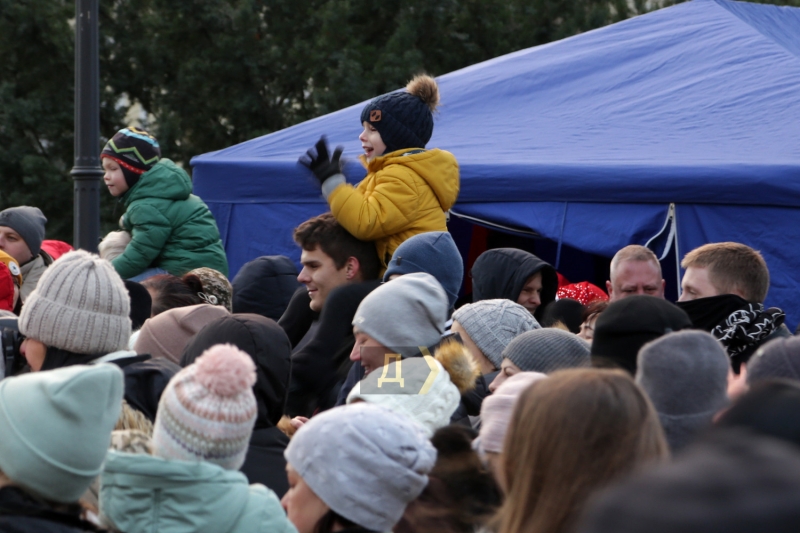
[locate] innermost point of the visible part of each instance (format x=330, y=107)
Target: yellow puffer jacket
x=404, y=193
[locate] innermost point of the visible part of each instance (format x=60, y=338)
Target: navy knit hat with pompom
x=404, y=119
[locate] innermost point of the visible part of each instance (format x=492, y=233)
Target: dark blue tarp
x=586, y=141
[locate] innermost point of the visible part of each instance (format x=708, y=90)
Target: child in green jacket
x=172, y=230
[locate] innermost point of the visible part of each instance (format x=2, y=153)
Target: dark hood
x=145, y=380
x=502, y=273
x=264, y=286
x=266, y=343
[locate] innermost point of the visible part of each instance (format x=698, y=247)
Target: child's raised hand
x=322, y=165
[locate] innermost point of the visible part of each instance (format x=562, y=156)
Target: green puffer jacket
x=143, y=494
x=170, y=227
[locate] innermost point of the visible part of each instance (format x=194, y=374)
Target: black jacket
x=502, y=273
x=267, y=344
x=265, y=463
x=21, y=513
x=264, y=286
x=298, y=316
x=321, y=365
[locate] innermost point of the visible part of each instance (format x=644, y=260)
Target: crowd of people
x=144, y=391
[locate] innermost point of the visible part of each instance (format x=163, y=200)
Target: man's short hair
x=634, y=252
x=732, y=266
x=326, y=233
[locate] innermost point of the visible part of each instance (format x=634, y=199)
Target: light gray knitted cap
x=364, y=461
x=493, y=324
x=80, y=305
x=547, y=350
x=405, y=313
x=685, y=374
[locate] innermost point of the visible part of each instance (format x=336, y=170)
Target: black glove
x=318, y=162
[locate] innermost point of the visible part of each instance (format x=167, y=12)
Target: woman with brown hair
x=570, y=435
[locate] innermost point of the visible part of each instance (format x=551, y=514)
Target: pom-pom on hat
x=405, y=118
x=208, y=410
x=79, y=305
x=135, y=150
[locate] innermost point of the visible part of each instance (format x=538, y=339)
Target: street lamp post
x=87, y=173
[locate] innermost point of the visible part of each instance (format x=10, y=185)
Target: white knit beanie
x=80, y=305
x=429, y=404
x=208, y=410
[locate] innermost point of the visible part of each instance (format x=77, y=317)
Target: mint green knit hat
x=55, y=428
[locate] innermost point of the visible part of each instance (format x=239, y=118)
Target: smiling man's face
x=320, y=276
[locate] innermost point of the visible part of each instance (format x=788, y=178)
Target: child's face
x=371, y=142
x=113, y=177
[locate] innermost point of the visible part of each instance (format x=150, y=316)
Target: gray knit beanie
x=404, y=314
x=365, y=462
x=80, y=305
x=28, y=222
x=493, y=324
x=779, y=358
x=547, y=350
x=685, y=374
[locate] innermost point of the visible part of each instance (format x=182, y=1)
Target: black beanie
x=404, y=119
x=135, y=150
x=630, y=323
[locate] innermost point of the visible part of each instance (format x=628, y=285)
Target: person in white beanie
x=55, y=430
x=425, y=389
x=355, y=467
x=78, y=312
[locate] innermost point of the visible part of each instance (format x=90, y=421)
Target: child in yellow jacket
x=408, y=189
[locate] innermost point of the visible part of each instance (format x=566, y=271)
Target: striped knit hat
x=135, y=150
x=208, y=410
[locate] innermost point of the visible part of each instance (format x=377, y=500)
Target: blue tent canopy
x=683, y=123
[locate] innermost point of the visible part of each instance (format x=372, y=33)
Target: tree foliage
x=212, y=73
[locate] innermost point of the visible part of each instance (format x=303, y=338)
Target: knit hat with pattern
x=135, y=150
x=493, y=324
x=208, y=410
x=547, y=350
x=217, y=290
x=79, y=305
x=404, y=118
